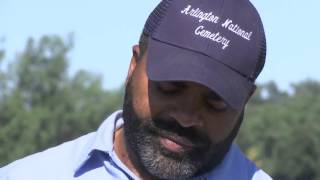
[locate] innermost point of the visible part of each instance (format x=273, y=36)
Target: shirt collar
x=102, y=139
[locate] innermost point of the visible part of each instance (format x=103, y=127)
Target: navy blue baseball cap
x=218, y=43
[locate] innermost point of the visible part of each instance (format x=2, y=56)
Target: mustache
x=169, y=127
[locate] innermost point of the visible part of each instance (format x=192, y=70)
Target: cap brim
x=171, y=63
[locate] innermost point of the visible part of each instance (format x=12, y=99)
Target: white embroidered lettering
x=186, y=10
x=200, y=15
x=226, y=23
x=235, y=28
x=216, y=37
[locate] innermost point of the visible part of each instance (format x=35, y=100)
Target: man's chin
x=176, y=162
x=166, y=159
x=161, y=162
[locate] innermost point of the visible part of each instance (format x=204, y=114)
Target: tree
x=2, y=74
x=282, y=134
x=45, y=106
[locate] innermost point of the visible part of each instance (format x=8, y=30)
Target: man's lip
x=180, y=141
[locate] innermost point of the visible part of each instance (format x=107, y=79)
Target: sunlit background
x=50, y=94
x=104, y=32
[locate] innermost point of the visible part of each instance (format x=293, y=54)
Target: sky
x=105, y=31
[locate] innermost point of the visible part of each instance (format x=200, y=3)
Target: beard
x=142, y=139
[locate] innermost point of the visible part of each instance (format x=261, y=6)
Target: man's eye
x=218, y=105
x=168, y=88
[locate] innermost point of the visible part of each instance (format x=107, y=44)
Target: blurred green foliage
x=41, y=106
x=281, y=131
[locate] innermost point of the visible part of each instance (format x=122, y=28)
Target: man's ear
x=133, y=62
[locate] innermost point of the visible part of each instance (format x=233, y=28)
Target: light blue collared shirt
x=92, y=157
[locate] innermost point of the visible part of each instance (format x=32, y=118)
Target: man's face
x=176, y=129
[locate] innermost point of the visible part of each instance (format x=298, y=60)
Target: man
x=188, y=83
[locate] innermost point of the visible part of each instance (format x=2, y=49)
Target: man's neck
x=122, y=151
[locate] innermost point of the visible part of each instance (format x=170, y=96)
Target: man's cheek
x=140, y=104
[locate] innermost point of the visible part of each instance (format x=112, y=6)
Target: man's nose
x=188, y=109
x=188, y=118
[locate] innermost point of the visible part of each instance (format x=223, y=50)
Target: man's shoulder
x=51, y=163
x=237, y=166
x=261, y=175
x=249, y=169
